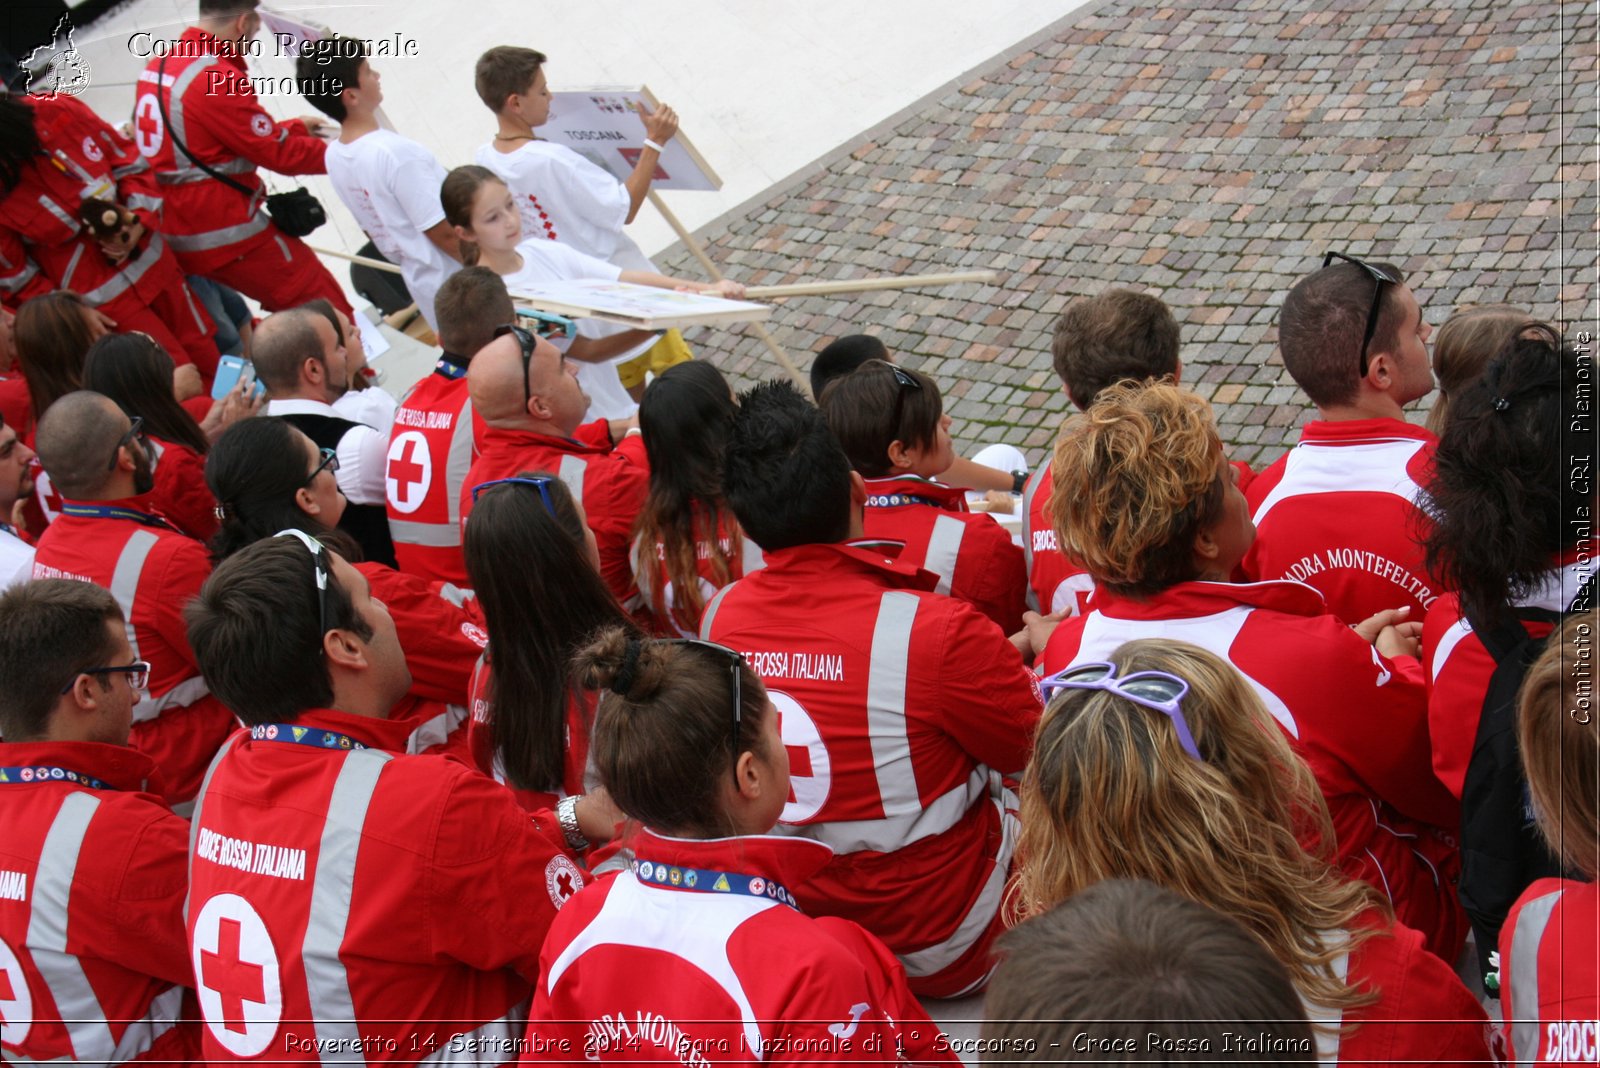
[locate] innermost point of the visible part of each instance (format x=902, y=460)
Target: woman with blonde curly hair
x=1144, y=498
x=1161, y=763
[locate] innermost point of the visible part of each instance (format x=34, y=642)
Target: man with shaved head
x=528, y=394
x=108, y=533
x=298, y=357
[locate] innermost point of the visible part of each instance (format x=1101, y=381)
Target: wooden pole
x=381, y=265
x=862, y=285
x=760, y=331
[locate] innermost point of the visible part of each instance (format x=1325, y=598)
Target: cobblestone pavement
x=1209, y=152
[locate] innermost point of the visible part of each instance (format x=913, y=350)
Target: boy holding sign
x=562, y=196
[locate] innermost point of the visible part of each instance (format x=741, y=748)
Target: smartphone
x=545, y=324
x=229, y=370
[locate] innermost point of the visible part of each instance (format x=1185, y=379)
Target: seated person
x=692, y=931
x=109, y=533
x=532, y=405
x=270, y=477
x=1125, y=970
x=1466, y=343
x=1144, y=498
x=16, y=482
x=366, y=862
x=902, y=708
x=94, y=962
x=1550, y=944
x=892, y=425
x=698, y=547
x=1160, y=762
x=534, y=565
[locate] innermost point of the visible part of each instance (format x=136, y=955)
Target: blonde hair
x=1558, y=732
x=1136, y=480
x=1111, y=794
x=1467, y=341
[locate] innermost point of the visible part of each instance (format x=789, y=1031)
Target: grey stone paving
x=1209, y=153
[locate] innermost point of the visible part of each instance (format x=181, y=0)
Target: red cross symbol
x=564, y=884
x=236, y=981
x=7, y=991
x=405, y=471
x=148, y=126
x=799, y=764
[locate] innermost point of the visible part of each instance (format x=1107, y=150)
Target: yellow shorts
x=670, y=349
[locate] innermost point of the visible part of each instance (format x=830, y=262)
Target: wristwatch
x=1019, y=479
x=567, y=816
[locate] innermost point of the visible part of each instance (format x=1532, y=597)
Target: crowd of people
x=518, y=721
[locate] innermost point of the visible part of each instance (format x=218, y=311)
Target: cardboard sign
x=643, y=307
x=603, y=126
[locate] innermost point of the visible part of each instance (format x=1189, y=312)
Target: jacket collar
x=389, y=735
x=498, y=438
x=1189, y=599
x=789, y=860
x=1363, y=432
x=948, y=498
x=868, y=558
x=120, y=766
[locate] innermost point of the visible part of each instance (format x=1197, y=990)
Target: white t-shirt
x=16, y=560
x=549, y=261
x=391, y=185
x=564, y=197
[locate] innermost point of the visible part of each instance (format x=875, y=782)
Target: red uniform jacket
x=1338, y=512
x=610, y=482
x=901, y=710
x=1459, y=667
x=974, y=557
x=431, y=449
x=342, y=893
x=92, y=961
x=1358, y=719
x=212, y=108
x=438, y=627
x=1055, y=583
x=678, y=955
x=152, y=571
x=484, y=756
x=180, y=493
x=1423, y=1015
x=658, y=598
x=44, y=247
x=1550, y=974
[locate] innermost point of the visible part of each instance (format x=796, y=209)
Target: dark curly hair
x=1513, y=477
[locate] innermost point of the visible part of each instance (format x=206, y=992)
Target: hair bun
x=626, y=674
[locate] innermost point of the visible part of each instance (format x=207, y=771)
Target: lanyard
x=711, y=881
x=16, y=776
x=312, y=736
x=895, y=500
x=111, y=511
x=449, y=369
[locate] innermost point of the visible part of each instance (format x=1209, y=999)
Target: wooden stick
x=860, y=285
x=381, y=265
x=757, y=329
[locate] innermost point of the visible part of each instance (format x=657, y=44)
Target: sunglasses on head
x=904, y=381
x=735, y=663
x=538, y=482
x=319, y=560
x=1380, y=278
x=1159, y=691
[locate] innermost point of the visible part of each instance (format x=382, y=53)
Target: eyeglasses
x=319, y=558
x=735, y=663
x=1157, y=690
x=135, y=430
x=905, y=382
x=538, y=482
x=138, y=674
x=330, y=463
x=1379, y=278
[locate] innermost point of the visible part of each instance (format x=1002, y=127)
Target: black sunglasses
x=135, y=431
x=905, y=381
x=528, y=342
x=1379, y=277
x=735, y=663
